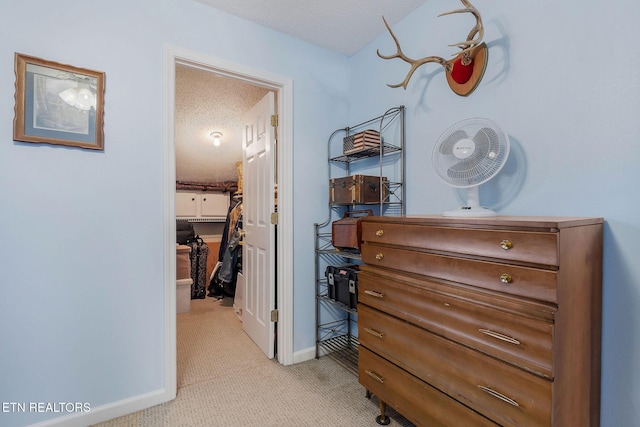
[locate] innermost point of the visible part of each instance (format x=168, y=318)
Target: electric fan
x=468, y=154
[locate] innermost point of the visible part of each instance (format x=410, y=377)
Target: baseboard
x=110, y=411
x=304, y=355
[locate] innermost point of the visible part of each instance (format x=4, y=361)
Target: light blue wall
x=81, y=312
x=82, y=257
x=564, y=80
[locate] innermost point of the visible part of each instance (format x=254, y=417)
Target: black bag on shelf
x=342, y=283
x=184, y=232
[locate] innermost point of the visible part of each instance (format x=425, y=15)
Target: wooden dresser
x=482, y=322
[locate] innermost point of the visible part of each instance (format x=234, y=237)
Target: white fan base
x=473, y=208
x=470, y=212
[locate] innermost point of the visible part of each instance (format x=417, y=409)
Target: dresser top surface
x=547, y=222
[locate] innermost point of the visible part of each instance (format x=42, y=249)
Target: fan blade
x=483, y=141
x=446, y=147
x=480, y=163
x=487, y=140
x=467, y=168
x=461, y=171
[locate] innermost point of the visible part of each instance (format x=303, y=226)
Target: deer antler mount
x=465, y=70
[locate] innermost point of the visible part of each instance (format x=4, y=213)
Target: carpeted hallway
x=225, y=380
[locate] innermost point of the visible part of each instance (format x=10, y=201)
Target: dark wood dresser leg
x=382, y=419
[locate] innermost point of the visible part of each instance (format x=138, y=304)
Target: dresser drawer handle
x=380, y=233
x=499, y=336
x=374, y=332
x=379, y=256
x=506, y=278
x=499, y=395
x=374, y=293
x=506, y=244
x=375, y=376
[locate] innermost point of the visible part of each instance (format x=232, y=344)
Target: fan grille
x=470, y=152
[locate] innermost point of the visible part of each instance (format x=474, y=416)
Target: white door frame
x=284, y=88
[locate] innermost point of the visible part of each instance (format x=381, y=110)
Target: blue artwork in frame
x=58, y=104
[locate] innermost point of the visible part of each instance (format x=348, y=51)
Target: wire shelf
x=336, y=323
x=343, y=350
x=365, y=154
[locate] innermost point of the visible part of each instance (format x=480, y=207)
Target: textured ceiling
x=340, y=25
x=206, y=102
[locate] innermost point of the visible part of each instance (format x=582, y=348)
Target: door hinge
x=274, y=218
x=274, y=315
x=274, y=120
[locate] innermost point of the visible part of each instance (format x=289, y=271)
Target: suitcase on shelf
x=358, y=189
x=342, y=283
x=346, y=232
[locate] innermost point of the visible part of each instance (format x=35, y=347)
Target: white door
x=259, y=238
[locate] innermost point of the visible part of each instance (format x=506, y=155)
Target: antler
x=477, y=29
x=415, y=63
x=466, y=46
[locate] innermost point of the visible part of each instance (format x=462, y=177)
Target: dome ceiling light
x=216, y=138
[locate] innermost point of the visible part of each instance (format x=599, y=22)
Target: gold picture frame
x=58, y=104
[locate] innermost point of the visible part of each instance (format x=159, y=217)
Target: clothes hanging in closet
x=229, y=267
x=232, y=218
x=223, y=280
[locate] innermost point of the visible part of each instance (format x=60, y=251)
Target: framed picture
x=58, y=104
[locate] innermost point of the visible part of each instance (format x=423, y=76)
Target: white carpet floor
x=225, y=380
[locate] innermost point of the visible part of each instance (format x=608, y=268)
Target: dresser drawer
x=475, y=320
x=416, y=400
x=522, y=281
x=524, y=246
x=502, y=392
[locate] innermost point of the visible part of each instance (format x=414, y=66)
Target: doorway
x=282, y=86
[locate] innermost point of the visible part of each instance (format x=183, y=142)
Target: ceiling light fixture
x=216, y=138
